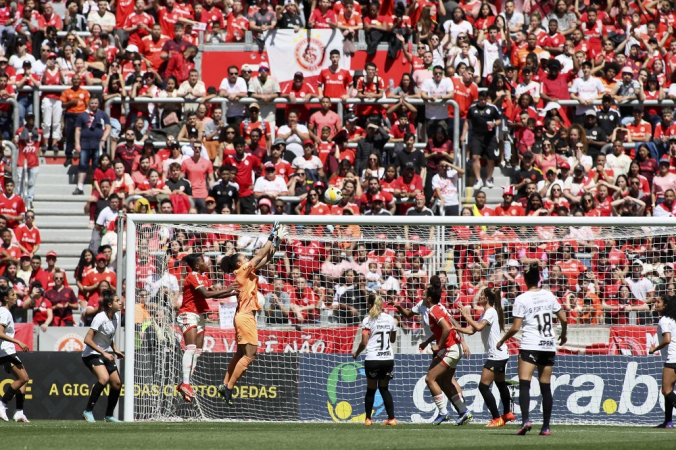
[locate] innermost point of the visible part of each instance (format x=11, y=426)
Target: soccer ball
x=333, y=196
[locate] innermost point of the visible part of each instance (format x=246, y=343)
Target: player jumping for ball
x=244, y=270
x=666, y=330
x=534, y=312
x=9, y=360
x=192, y=315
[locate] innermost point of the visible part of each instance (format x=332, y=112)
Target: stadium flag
x=306, y=51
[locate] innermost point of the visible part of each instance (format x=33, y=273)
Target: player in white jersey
x=666, y=330
x=378, y=333
x=99, y=355
x=491, y=324
x=533, y=313
x=8, y=359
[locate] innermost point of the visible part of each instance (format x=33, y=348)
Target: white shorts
x=450, y=357
x=188, y=321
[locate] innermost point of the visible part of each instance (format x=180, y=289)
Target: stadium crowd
x=512, y=67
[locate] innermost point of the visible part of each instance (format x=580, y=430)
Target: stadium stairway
x=501, y=177
x=60, y=215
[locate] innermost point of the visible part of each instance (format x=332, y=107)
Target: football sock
x=9, y=394
x=231, y=369
x=547, y=403
x=94, y=396
x=669, y=404
x=387, y=400
x=80, y=186
x=459, y=404
x=524, y=399
x=240, y=368
x=440, y=401
x=187, y=362
x=197, y=355
x=505, y=396
x=20, y=398
x=369, y=398
x=113, y=397
x=489, y=399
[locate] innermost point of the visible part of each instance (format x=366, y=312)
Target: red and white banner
x=309, y=340
x=632, y=340
x=306, y=51
x=24, y=333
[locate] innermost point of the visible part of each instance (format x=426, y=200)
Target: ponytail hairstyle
x=107, y=299
x=4, y=294
x=434, y=289
x=669, y=307
x=375, y=305
x=229, y=263
x=531, y=274
x=192, y=260
x=494, y=297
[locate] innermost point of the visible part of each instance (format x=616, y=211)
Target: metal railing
x=38, y=91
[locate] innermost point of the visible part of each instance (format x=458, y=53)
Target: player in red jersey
x=192, y=315
x=448, y=354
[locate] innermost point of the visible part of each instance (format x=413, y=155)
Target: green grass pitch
x=73, y=435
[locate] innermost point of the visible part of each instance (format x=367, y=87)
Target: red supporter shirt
x=193, y=301
x=335, y=85
x=512, y=210
x=40, y=315
x=14, y=251
x=387, y=256
x=464, y=95
x=28, y=237
x=236, y=28
x=28, y=150
x=95, y=276
x=377, y=85
x=246, y=168
x=12, y=206
x=167, y=20
x=322, y=21
x=123, y=9
x=152, y=50
x=197, y=173
x=136, y=37
x=308, y=256
x=299, y=93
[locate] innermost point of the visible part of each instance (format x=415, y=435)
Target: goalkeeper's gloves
x=273, y=232
x=283, y=232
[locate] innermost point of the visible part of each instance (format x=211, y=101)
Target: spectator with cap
x=577, y=184
x=270, y=185
x=508, y=207
x=378, y=208
x=299, y=91
x=264, y=206
x=293, y=134
x=255, y=122
x=528, y=174
x=92, y=129
x=663, y=181
x=26, y=79
x=21, y=55
x=234, y=88
x=265, y=89
x=282, y=166
x=51, y=269
x=596, y=137
x=246, y=165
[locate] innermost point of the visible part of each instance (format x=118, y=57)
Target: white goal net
x=606, y=274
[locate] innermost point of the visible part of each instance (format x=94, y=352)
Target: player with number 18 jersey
x=537, y=310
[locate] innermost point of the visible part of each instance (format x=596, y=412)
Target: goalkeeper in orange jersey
x=244, y=270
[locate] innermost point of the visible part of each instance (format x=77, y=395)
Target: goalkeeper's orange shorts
x=246, y=328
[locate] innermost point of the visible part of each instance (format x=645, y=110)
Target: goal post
x=304, y=370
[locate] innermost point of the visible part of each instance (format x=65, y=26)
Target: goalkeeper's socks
x=440, y=401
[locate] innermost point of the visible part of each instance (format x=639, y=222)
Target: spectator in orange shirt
x=74, y=102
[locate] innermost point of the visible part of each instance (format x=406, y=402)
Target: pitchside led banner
x=306, y=51
x=600, y=389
